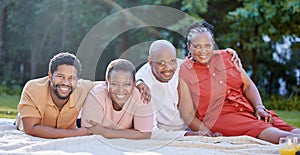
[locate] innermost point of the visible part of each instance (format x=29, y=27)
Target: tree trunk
x=270, y=84
x=3, y=19
x=254, y=59
x=64, y=26
x=3, y=24
x=33, y=63
x=241, y=53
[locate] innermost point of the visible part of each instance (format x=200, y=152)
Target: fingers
x=146, y=96
x=218, y=134
x=145, y=92
x=269, y=119
x=266, y=117
x=208, y=134
x=240, y=63
x=257, y=116
x=235, y=58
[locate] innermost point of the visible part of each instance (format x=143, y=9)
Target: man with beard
x=49, y=106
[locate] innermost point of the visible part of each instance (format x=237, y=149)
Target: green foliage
x=283, y=103
x=10, y=89
x=256, y=20
x=35, y=30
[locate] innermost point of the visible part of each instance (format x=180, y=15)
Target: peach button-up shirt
x=37, y=102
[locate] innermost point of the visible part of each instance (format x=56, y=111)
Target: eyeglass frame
x=163, y=63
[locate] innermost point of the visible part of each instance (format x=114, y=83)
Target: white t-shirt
x=164, y=98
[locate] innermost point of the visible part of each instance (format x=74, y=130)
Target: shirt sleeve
x=26, y=106
x=143, y=118
x=92, y=110
x=140, y=74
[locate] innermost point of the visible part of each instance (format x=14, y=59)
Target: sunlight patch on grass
x=291, y=117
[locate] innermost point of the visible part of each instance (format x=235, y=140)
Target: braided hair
x=198, y=27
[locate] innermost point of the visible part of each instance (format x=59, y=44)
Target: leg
x=273, y=135
x=296, y=131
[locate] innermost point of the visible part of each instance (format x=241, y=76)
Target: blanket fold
x=13, y=141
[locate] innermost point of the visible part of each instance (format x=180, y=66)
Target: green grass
x=8, y=106
x=8, y=109
x=291, y=117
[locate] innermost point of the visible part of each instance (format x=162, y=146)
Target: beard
x=59, y=96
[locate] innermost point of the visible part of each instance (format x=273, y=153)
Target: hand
x=95, y=128
x=212, y=134
x=83, y=131
x=235, y=58
x=145, y=91
x=262, y=113
x=203, y=133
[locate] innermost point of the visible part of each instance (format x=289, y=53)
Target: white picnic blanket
x=13, y=141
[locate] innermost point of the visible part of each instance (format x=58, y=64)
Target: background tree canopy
x=265, y=33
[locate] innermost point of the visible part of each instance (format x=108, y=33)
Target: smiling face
x=120, y=86
x=162, y=60
x=63, y=81
x=201, y=47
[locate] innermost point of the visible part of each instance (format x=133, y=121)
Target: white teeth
x=167, y=73
x=120, y=96
x=203, y=57
x=64, y=88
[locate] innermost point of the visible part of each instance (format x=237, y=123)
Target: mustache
x=58, y=95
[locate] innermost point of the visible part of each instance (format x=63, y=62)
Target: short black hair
x=120, y=65
x=64, y=58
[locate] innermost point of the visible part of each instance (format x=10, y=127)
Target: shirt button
x=236, y=105
x=221, y=82
x=207, y=66
x=228, y=91
x=213, y=74
x=241, y=109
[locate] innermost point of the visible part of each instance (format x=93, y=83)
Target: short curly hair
x=64, y=58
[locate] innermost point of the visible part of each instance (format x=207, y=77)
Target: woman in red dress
x=225, y=98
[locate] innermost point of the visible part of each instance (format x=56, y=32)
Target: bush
x=291, y=103
x=10, y=89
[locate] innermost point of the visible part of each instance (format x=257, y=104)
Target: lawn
x=291, y=117
x=8, y=106
x=8, y=109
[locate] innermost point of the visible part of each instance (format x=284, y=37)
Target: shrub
x=276, y=102
x=10, y=89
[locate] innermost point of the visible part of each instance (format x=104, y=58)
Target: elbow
x=29, y=132
x=146, y=135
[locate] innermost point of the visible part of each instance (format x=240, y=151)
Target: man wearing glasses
x=161, y=75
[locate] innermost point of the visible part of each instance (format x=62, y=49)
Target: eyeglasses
x=172, y=62
x=199, y=47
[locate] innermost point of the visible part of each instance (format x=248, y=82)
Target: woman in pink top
x=114, y=108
